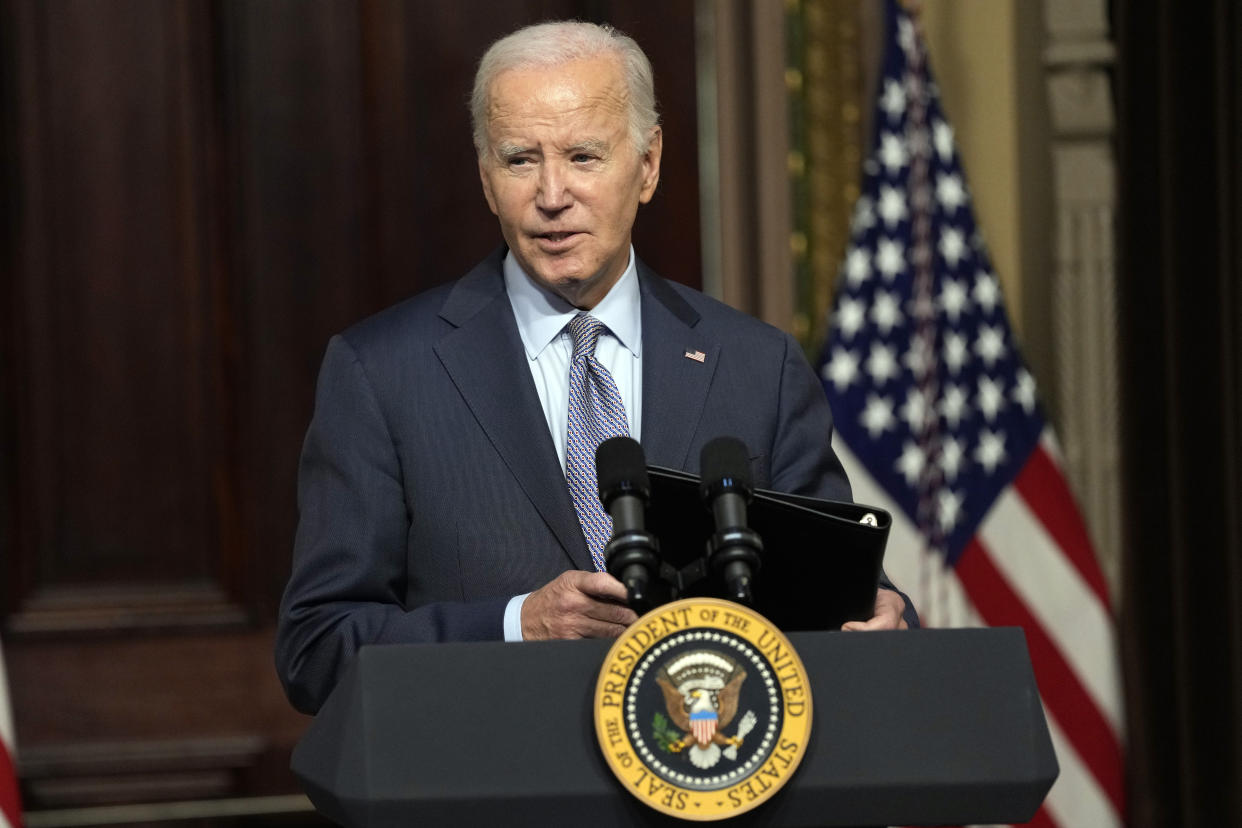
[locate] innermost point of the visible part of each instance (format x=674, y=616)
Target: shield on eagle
x=703, y=726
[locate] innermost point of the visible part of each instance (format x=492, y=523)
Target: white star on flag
x=952, y=246
x=890, y=258
x=893, y=153
x=885, y=313
x=911, y=462
x=943, y=138
x=892, y=207
x=858, y=267
x=991, y=398
x=864, y=216
x=894, y=100
x=877, y=417
x=882, y=363
x=956, y=353
x=842, y=369
x=851, y=316
x=987, y=292
x=991, y=450
x=914, y=411
x=949, y=192
x=953, y=405
x=953, y=299
x=1024, y=391
x=990, y=346
x=949, y=509
x=951, y=457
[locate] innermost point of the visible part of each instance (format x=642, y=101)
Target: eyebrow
x=593, y=146
x=507, y=151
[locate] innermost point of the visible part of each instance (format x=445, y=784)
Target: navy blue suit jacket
x=429, y=488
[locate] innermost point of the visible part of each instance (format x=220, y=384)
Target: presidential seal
x=703, y=709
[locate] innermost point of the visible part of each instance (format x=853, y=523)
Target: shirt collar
x=542, y=315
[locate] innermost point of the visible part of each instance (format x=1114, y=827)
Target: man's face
x=562, y=175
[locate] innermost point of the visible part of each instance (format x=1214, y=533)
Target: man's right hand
x=577, y=604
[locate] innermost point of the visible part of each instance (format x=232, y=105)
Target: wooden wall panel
x=197, y=194
x=114, y=376
x=666, y=233
x=296, y=157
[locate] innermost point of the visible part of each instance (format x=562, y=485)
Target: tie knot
x=585, y=330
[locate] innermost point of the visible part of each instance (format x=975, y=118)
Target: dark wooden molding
x=136, y=718
x=113, y=608
x=75, y=774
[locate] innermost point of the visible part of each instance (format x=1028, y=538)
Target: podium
x=913, y=727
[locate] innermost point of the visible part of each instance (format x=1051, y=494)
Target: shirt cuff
x=513, y=618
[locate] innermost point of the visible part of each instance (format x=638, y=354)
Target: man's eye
x=519, y=162
x=582, y=158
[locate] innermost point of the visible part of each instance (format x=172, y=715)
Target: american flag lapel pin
x=697, y=356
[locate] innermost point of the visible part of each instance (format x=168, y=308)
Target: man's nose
x=553, y=194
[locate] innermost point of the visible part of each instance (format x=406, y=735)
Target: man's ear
x=651, y=165
x=487, y=187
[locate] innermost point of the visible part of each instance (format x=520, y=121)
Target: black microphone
x=735, y=549
x=631, y=556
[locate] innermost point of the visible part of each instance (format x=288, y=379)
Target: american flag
x=10, y=805
x=938, y=422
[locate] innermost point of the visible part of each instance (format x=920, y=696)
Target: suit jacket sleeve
x=348, y=582
x=803, y=461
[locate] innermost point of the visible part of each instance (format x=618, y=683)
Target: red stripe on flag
x=10, y=803
x=1044, y=488
x=1080, y=720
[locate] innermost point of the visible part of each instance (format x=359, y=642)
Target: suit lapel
x=483, y=357
x=675, y=382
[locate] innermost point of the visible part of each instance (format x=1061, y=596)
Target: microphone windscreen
x=725, y=463
x=621, y=467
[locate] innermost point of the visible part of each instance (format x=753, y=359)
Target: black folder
x=821, y=559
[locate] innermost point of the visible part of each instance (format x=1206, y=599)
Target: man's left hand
x=888, y=609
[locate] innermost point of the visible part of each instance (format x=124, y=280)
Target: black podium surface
x=917, y=727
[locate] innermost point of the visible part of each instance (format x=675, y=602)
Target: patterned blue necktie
x=596, y=413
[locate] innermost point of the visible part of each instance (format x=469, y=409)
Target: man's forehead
x=573, y=87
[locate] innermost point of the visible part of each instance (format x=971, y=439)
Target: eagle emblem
x=701, y=695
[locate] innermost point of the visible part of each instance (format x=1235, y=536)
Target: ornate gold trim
x=825, y=87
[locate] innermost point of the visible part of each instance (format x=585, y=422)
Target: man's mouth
x=557, y=242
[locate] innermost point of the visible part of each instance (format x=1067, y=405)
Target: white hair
x=561, y=41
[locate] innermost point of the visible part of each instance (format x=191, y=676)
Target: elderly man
x=445, y=488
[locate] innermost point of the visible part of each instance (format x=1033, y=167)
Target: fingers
x=889, y=607
x=600, y=585
x=577, y=605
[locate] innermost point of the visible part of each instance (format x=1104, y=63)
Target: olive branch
x=663, y=732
